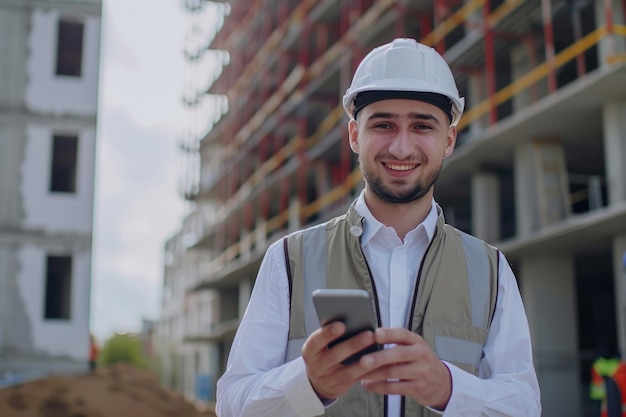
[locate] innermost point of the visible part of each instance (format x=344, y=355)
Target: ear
x=353, y=136
x=450, y=141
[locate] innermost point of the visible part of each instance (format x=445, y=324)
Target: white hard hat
x=405, y=65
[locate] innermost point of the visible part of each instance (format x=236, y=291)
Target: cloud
x=137, y=207
x=143, y=65
x=137, y=210
x=114, y=42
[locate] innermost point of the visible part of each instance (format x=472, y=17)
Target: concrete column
x=323, y=182
x=260, y=234
x=610, y=45
x=12, y=148
x=476, y=85
x=190, y=372
x=245, y=290
x=614, y=126
x=215, y=367
x=322, y=178
x=619, y=266
x=548, y=289
x=16, y=327
x=294, y=214
x=541, y=185
x=527, y=219
x=522, y=62
x=486, y=207
x=477, y=91
x=245, y=242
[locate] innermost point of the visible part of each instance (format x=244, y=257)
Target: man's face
x=401, y=146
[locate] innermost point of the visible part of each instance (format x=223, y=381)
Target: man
x=451, y=318
x=93, y=352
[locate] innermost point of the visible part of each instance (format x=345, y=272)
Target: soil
x=119, y=391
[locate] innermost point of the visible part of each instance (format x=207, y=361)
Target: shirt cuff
x=468, y=397
x=299, y=393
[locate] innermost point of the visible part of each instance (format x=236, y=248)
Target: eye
x=382, y=125
x=422, y=126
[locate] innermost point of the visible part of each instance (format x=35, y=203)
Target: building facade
x=539, y=169
x=48, y=104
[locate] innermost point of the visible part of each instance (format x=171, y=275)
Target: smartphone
x=350, y=306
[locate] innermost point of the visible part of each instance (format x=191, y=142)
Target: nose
x=401, y=146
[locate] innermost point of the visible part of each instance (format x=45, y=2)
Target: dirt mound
x=120, y=391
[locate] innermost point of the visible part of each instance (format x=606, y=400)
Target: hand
x=410, y=368
x=329, y=378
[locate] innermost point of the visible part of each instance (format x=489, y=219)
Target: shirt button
x=356, y=231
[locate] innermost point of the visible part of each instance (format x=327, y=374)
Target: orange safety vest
x=620, y=378
x=93, y=349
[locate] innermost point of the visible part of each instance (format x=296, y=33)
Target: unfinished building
x=539, y=169
x=49, y=66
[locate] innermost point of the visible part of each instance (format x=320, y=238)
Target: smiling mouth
x=400, y=167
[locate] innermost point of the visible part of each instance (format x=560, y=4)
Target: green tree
x=122, y=348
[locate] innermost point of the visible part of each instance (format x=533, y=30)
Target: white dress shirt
x=258, y=382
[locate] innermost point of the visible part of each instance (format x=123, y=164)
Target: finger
x=398, y=336
x=328, y=377
x=430, y=387
x=346, y=349
x=399, y=362
x=386, y=365
x=320, y=338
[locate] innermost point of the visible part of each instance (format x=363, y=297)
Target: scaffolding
x=289, y=62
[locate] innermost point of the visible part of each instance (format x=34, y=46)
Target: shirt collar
x=372, y=225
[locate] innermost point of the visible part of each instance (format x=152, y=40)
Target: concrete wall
x=57, y=212
x=49, y=93
x=56, y=337
x=36, y=104
x=548, y=288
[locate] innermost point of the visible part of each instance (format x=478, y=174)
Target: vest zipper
x=378, y=319
x=412, y=310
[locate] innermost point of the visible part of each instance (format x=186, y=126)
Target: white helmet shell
x=405, y=65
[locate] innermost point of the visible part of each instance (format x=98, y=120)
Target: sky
x=138, y=162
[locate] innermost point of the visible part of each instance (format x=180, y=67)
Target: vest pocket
x=460, y=344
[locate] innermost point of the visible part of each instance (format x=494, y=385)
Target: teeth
x=397, y=167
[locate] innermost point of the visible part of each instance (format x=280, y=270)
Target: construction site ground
x=118, y=391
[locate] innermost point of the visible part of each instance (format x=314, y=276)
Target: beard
x=400, y=194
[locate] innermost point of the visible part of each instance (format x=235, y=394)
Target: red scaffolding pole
x=345, y=151
x=440, y=11
x=610, y=29
x=546, y=11
x=490, y=64
x=304, y=59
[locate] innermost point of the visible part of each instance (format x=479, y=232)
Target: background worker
x=450, y=313
x=608, y=364
x=94, y=350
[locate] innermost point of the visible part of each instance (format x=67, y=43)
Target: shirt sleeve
x=507, y=383
x=257, y=381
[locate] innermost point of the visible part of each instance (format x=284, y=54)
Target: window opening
x=69, y=48
x=58, y=287
x=63, y=170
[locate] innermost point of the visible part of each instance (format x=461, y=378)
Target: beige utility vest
x=452, y=307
